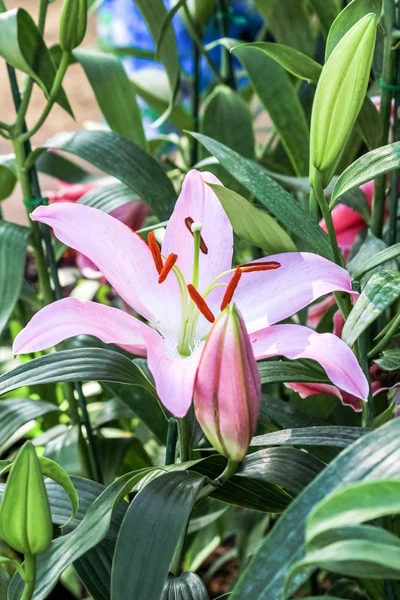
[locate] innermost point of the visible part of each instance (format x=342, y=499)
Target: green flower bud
x=340, y=94
x=25, y=518
x=200, y=11
x=73, y=24
x=188, y=586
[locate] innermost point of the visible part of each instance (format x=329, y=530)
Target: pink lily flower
x=227, y=389
x=181, y=288
x=132, y=214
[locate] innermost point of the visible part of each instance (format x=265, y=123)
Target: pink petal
x=69, y=192
x=266, y=297
x=317, y=311
x=313, y=389
x=132, y=214
x=173, y=374
x=69, y=317
x=295, y=341
x=198, y=201
x=121, y=255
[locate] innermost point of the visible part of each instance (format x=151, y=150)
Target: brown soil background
x=76, y=86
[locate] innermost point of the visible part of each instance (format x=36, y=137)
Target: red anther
x=200, y=303
x=260, y=266
x=203, y=247
x=232, y=285
x=156, y=252
x=169, y=263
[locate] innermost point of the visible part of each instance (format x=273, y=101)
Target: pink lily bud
x=227, y=389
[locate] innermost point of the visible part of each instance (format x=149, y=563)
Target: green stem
x=172, y=439
x=30, y=577
x=378, y=208
x=391, y=331
x=56, y=87
x=227, y=70
x=91, y=442
x=316, y=186
x=184, y=435
x=368, y=408
x=226, y=474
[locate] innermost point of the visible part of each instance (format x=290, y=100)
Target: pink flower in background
x=181, y=288
x=132, y=214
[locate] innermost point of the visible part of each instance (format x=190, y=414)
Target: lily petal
x=266, y=297
x=312, y=389
x=296, y=341
x=174, y=375
x=121, y=255
x=69, y=317
x=198, y=201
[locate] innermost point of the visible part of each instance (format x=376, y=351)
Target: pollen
x=156, y=252
x=194, y=227
x=200, y=303
x=232, y=285
x=167, y=268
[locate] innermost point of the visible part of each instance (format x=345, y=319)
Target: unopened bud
x=73, y=24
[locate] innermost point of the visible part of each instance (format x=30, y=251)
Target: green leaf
x=353, y=12
x=369, y=124
x=381, y=291
x=284, y=414
x=61, y=168
x=279, y=97
x=13, y=243
x=84, y=364
x=158, y=516
x=367, y=167
x=52, y=470
x=155, y=13
x=333, y=436
x=8, y=177
x=109, y=197
x=277, y=371
x=227, y=118
x=122, y=159
x=327, y=11
x=16, y=412
x=254, y=226
x=68, y=548
x=353, y=504
x=271, y=195
x=120, y=109
x=22, y=46
x=389, y=360
x=289, y=58
x=372, y=457
x=382, y=257
x=369, y=248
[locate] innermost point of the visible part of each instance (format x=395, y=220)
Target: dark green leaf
x=120, y=109
x=369, y=124
x=226, y=117
x=381, y=291
x=279, y=97
x=22, y=46
x=124, y=160
x=367, y=167
x=289, y=58
x=13, y=243
x=8, y=177
x=255, y=226
x=61, y=168
x=275, y=371
x=275, y=199
x=382, y=257
x=285, y=414
x=389, y=360
x=158, y=516
x=16, y=412
x=374, y=456
x=339, y=437
x=370, y=247
x=155, y=13
x=109, y=197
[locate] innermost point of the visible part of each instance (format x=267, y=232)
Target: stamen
x=232, y=285
x=155, y=251
x=260, y=266
x=200, y=303
x=189, y=222
x=167, y=268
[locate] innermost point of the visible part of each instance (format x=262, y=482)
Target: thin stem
x=91, y=442
x=316, y=186
x=368, y=408
x=172, y=438
x=226, y=474
x=227, y=70
x=30, y=577
x=378, y=208
x=56, y=87
x=184, y=435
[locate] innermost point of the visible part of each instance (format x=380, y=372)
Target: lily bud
x=200, y=12
x=73, y=24
x=188, y=586
x=25, y=518
x=340, y=93
x=227, y=390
